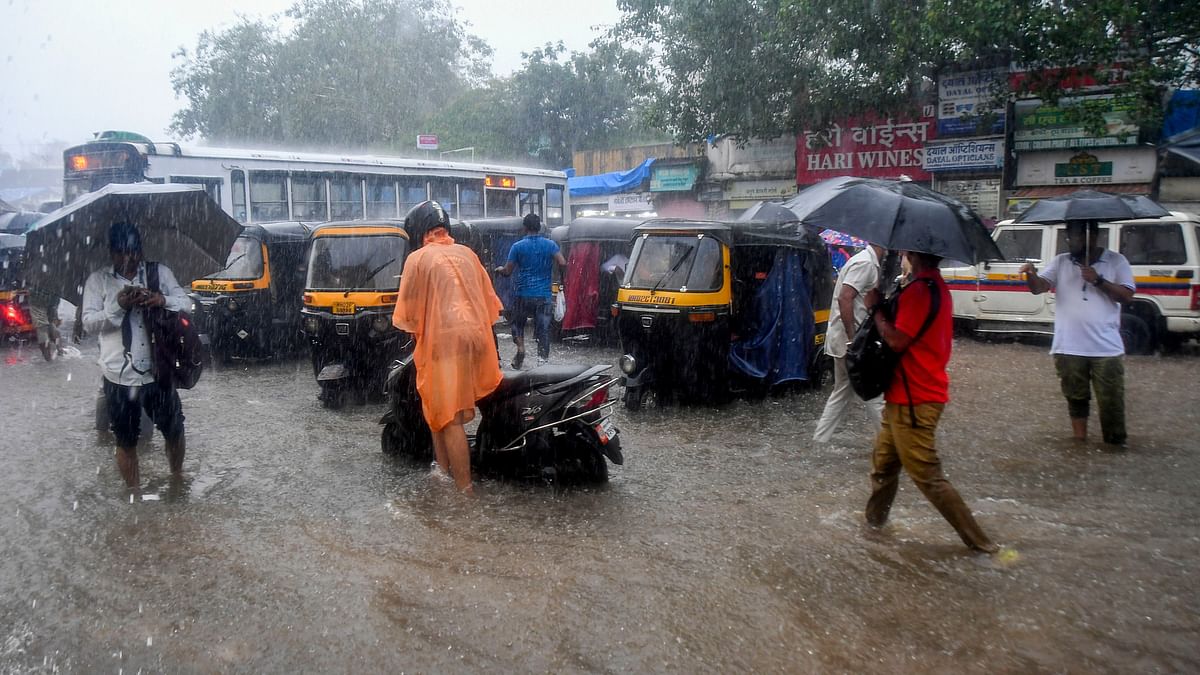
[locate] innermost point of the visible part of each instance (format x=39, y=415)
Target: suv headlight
x=627, y=364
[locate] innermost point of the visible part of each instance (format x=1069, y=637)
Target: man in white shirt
x=859, y=275
x=1090, y=284
x=115, y=300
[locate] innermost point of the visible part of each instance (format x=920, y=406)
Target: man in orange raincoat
x=448, y=305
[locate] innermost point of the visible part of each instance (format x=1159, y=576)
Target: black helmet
x=421, y=219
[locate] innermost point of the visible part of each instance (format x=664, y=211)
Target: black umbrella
x=898, y=215
x=181, y=226
x=1092, y=205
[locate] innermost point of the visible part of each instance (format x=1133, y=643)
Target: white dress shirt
x=102, y=314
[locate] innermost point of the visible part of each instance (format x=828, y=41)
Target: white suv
x=992, y=297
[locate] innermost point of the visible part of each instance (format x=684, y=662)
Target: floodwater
x=726, y=543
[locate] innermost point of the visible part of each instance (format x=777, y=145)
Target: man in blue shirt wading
x=533, y=257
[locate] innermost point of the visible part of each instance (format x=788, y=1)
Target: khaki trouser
x=900, y=444
x=1105, y=375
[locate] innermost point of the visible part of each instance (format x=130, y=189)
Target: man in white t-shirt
x=1090, y=284
x=859, y=275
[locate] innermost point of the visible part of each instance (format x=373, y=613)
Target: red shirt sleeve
x=914, y=308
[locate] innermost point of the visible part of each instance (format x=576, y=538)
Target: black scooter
x=551, y=423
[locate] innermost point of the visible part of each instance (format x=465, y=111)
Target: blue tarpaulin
x=609, y=183
x=779, y=334
x=1183, y=113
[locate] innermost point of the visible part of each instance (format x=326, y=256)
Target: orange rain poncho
x=447, y=302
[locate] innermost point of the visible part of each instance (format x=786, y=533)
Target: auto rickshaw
x=708, y=308
x=252, y=306
x=597, y=254
x=15, y=319
x=349, y=295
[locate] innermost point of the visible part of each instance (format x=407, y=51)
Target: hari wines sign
x=864, y=147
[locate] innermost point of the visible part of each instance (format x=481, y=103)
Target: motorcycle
x=551, y=422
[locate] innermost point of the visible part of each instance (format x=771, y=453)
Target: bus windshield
x=675, y=263
x=356, y=263
x=245, y=261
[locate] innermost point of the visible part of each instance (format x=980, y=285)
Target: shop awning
x=1043, y=191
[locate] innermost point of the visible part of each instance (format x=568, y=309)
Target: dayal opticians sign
x=864, y=147
x=965, y=100
x=974, y=155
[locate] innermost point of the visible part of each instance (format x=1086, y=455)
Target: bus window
x=308, y=197
x=445, y=192
x=501, y=203
x=470, y=197
x=346, y=193
x=554, y=205
x=381, y=197
x=268, y=196
x=211, y=185
x=413, y=191
x=530, y=201
x=237, y=188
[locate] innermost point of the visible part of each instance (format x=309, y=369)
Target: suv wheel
x=1136, y=334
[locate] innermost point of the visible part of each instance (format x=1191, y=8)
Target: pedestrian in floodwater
x=915, y=400
x=115, y=300
x=447, y=303
x=1090, y=284
x=859, y=275
x=533, y=257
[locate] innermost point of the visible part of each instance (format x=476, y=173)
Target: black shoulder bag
x=174, y=341
x=870, y=362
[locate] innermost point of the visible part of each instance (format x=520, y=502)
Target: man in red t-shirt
x=914, y=402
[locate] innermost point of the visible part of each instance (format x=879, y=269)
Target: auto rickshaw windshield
x=10, y=267
x=675, y=262
x=245, y=260
x=359, y=263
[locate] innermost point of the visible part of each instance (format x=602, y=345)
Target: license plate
x=605, y=430
x=343, y=308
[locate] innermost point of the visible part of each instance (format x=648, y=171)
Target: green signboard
x=1046, y=127
x=673, y=178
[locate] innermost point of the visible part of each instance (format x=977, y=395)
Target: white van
x=992, y=297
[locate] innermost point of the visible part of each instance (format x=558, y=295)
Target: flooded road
x=727, y=542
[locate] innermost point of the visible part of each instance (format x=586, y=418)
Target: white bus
x=256, y=186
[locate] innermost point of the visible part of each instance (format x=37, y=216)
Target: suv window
x=1020, y=244
x=1153, y=244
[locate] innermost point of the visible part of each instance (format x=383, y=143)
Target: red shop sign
x=864, y=146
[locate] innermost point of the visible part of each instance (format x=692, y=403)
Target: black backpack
x=870, y=362
x=174, y=341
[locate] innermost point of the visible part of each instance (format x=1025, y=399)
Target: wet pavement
x=727, y=542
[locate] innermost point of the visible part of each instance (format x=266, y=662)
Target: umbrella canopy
x=767, y=212
x=898, y=215
x=180, y=225
x=1092, y=205
x=835, y=238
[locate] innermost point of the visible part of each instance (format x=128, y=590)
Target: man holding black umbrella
x=1090, y=284
x=115, y=300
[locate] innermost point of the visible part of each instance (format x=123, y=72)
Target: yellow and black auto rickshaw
x=15, y=319
x=706, y=308
x=252, y=306
x=353, y=278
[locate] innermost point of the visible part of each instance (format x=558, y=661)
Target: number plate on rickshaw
x=605, y=429
x=343, y=308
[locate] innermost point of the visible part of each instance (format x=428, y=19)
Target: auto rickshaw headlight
x=627, y=364
x=380, y=323
x=233, y=305
x=312, y=325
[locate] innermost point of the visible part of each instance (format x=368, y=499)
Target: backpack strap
x=935, y=305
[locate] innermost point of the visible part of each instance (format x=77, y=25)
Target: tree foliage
x=363, y=73
x=761, y=68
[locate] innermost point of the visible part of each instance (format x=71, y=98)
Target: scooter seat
x=518, y=381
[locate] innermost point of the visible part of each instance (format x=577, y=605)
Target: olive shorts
x=1080, y=376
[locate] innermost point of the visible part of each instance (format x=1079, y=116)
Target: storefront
x=1128, y=170
x=673, y=188
x=742, y=173
x=867, y=147
x=969, y=170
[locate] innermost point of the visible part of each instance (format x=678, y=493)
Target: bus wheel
x=1136, y=334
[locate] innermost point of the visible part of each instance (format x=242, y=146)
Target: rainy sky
x=69, y=68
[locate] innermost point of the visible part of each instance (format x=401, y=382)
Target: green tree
x=767, y=67
x=366, y=73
